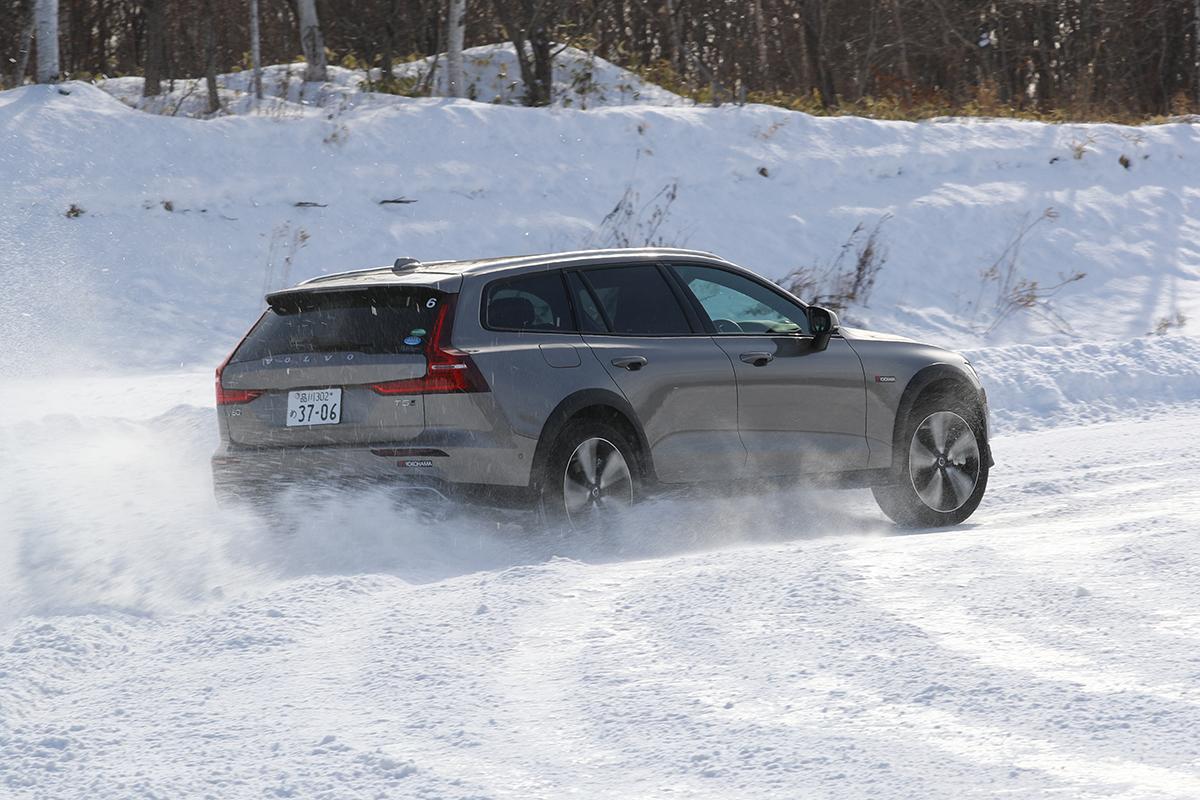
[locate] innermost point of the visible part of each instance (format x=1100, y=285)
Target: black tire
x=929, y=489
x=564, y=475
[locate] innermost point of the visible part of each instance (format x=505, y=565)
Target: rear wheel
x=943, y=470
x=591, y=475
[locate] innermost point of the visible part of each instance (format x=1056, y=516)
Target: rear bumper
x=427, y=461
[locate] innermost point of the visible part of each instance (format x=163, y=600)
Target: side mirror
x=824, y=324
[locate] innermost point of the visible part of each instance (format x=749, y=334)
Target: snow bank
x=491, y=74
x=1031, y=386
x=581, y=80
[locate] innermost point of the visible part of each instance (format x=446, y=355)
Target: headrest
x=511, y=312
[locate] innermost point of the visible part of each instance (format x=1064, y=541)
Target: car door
x=678, y=381
x=799, y=410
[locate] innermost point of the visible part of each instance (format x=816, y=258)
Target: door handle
x=631, y=363
x=758, y=359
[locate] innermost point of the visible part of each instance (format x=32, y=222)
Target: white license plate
x=314, y=407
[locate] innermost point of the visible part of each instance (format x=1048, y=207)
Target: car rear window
x=536, y=302
x=376, y=321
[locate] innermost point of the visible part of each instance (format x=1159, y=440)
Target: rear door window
x=378, y=321
x=536, y=302
x=637, y=300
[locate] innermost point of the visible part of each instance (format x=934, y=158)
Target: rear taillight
x=233, y=397
x=447, y=370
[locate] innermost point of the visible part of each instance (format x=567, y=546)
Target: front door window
x=736, y=304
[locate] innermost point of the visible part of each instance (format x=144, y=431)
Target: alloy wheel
x=596, y=482
x=943, y=461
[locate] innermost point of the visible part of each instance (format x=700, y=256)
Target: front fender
x=961, y=381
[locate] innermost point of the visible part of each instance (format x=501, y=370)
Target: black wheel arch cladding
x=934, y=374
x=604, y=405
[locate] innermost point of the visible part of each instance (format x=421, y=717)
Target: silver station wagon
x=581, y=382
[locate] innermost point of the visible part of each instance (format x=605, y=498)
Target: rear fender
x=570, y=407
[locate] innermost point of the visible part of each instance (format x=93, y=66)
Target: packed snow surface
x=788, y=644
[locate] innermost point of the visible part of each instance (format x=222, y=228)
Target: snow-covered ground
x=788, y=645
x=155, y=646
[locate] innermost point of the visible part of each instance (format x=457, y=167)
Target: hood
x=864, y=335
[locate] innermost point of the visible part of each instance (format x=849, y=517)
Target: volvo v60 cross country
x=583, y=380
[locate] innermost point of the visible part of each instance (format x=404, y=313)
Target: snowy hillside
x=214, y=212
x=781, y=646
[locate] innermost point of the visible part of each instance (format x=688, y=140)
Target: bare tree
x=456, y=27
x=1196, y=46
x=255, y=51
x=45, y=14
x=1088, y=59
x=24, y=42
x=527, y=24
x=312, y=42
x=210, y=58
x=760, y=39
x=156, y=47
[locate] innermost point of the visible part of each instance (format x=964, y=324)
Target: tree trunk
x=1196, y=45
x=902, y=50
x=312, y=43
x=456, y=26
x=812, y=46
x=210, y=58
x=540, y=92
x=102, y=38
x=255, y=51
x=389, y=44
x=45, y=13
x=527, y=28
x=760, y=29
x=677, y=39
x=156, y=48
x=25, y=45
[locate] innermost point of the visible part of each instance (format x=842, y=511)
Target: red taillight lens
x=447, y=370
x=233, y=397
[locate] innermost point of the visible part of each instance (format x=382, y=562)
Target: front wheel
x=591, y=475
x=943, y=472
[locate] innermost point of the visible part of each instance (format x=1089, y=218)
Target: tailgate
x=311, y=362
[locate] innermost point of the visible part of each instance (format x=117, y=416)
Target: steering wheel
x=727, y=326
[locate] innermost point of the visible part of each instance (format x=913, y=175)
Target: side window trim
x=576, y=327
x=688, y=300
x=800, y=304
x=591, y=290
x=696, y=321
